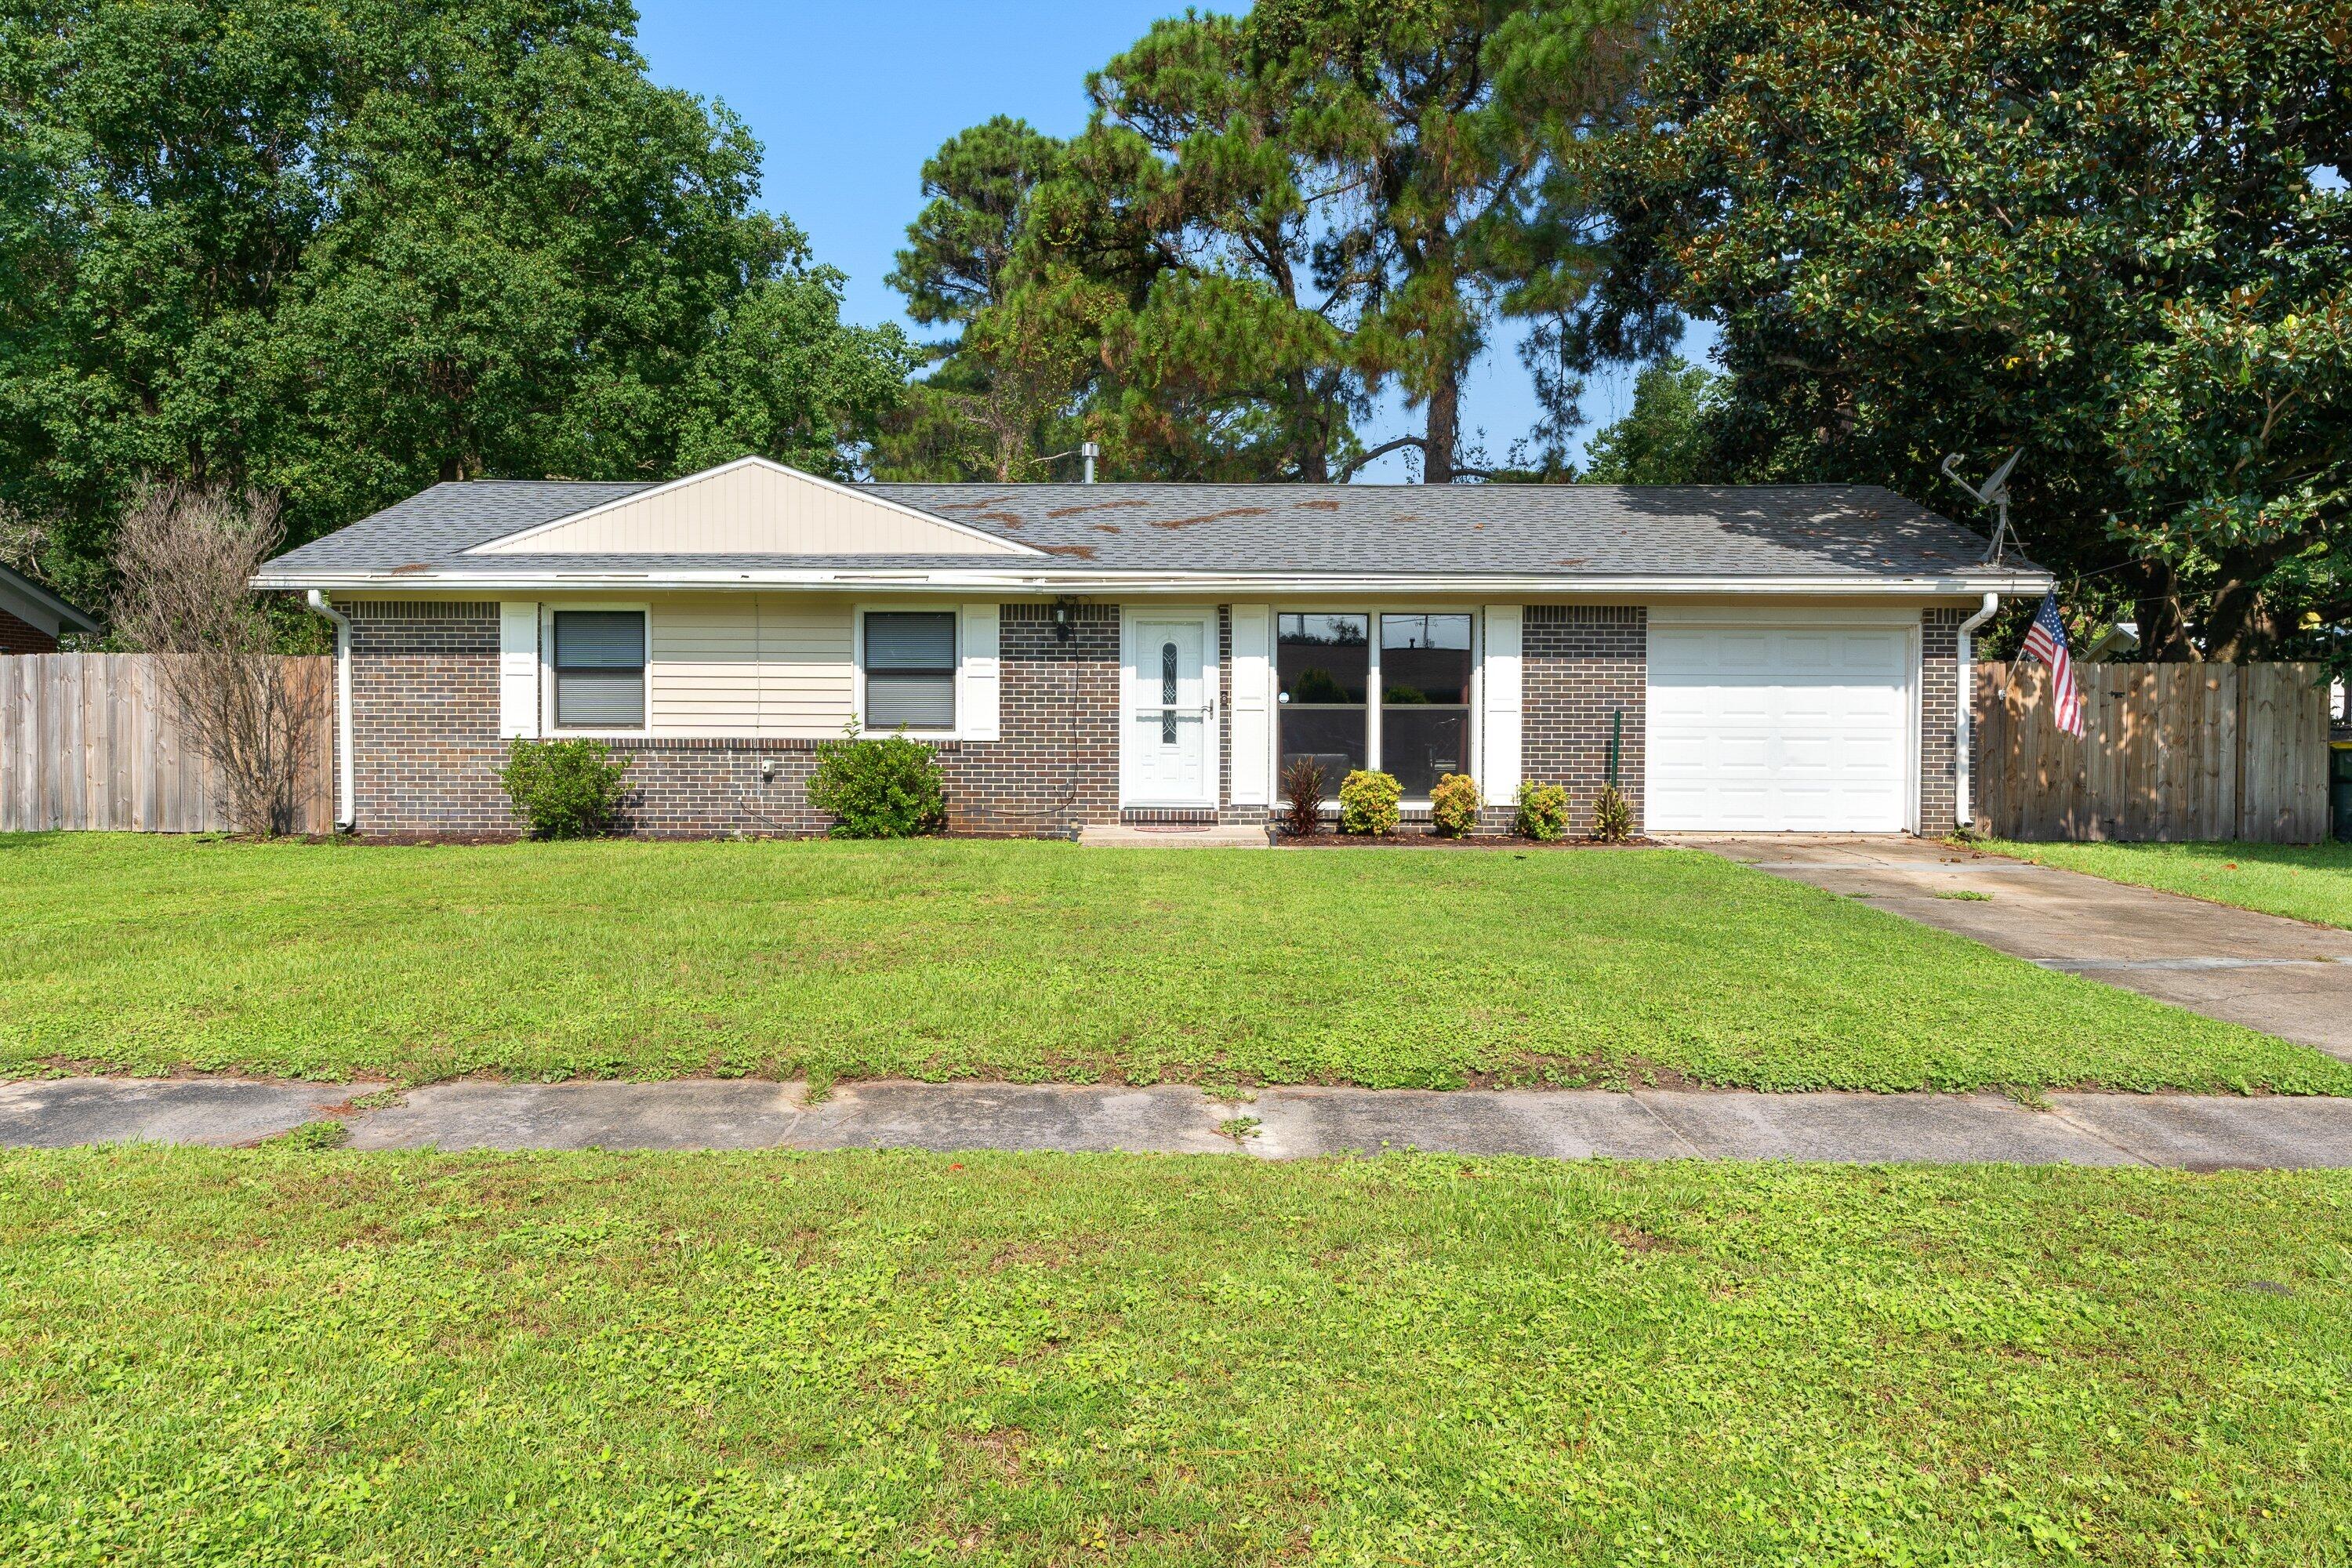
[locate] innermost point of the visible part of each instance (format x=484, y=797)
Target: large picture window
x=1425, y=699
x=1329, y=664
x=1324, y=666
x=911, y=669
x=599, y=670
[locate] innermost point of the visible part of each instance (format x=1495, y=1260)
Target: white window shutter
x=1252, y=715
x=518, y=670
x=977, y=704
x=1500, y=685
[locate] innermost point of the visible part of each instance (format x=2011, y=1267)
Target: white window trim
x=857, y=610
x=1130, y=687
x=547, y=724
x=1473, y=764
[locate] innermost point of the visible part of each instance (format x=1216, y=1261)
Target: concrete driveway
x=2281, y=976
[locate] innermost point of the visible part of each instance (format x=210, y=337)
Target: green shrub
x=1454, y=805
x=886, y=788
x=564, y=789
x=1543, y=811
x=1612, y=816
x=1368, y=803
x=1302, y=796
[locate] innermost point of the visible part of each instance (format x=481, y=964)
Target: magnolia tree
x=182, y=557
x=2108, y=232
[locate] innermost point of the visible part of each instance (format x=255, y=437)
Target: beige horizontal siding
x=758, y=510
x=751, y=664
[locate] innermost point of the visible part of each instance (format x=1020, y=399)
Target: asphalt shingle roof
x=1564, y=530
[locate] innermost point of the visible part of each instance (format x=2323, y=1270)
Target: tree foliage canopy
x=338, y=249
x=2085, y=227
x=1668, y=436
x=1269, y=219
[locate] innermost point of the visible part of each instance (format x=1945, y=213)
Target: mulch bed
x=1432, y=841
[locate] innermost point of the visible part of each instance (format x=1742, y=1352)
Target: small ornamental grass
x=885, y=788
x=1302, y=797
x=1543, y=812
x=1454, y=805
x=1368, y=803
x=1612, y=815
x=564, y=789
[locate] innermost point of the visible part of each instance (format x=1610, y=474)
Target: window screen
x=599, y=670
x=910, y=668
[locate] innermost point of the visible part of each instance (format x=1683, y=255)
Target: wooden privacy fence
x=89, y=740
x=2176, y=752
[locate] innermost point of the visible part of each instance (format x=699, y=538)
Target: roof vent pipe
x=1087, y=452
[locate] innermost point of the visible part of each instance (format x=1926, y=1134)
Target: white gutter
x=1184, y=583
x=1963, y=814
x=346, y=815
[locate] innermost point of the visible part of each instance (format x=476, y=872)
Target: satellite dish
x=1994, y=493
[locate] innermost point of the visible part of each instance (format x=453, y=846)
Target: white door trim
x=1131, y=699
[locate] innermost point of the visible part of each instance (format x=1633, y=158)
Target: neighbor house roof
x=1074, y=537
x=37, y=606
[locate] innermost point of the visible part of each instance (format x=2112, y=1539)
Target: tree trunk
x=1445, y=430
x=2234, y=624
x=2163, y=631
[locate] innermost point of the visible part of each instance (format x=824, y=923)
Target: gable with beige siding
x=752, y=507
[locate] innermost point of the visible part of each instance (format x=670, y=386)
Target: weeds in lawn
x=1030, y=962
x=223, y=1358
x=311, y=1137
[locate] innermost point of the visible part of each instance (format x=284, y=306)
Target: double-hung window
x=911, y=669
x=599, y=670
x=1328, y=666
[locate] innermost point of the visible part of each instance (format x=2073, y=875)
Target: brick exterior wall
x=23, y=637
x=424, y=712
x=424, y=718
x=424, y=689
x=1580, y=664
x=1057, y=766
x=1939, y=719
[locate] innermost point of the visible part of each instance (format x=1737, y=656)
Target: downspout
x=345, y=815
x=1963, y=814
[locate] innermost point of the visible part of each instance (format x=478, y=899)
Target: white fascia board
x=34, y=605
x=754, y=462
x=1188, y=585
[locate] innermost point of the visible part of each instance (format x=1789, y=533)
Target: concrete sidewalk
x=2281, y=976
x=2185, y=1131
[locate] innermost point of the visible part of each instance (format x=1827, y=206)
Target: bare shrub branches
x=182, y=557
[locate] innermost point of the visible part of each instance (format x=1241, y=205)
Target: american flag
x=2047, y=642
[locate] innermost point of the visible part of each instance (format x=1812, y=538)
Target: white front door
x=1168, y=750
x=1779, y=729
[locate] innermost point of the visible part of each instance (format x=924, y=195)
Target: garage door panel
x=1779, y=729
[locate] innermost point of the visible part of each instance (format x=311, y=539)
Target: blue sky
x=850, y=98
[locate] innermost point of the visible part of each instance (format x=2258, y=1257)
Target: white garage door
x=1779, y=729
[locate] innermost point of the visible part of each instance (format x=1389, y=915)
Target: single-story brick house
x=32, y=618
x=1762, y=659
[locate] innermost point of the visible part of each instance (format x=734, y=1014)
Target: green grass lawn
x=2302, y=881
x=1040, y=961
x=218, y=1358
